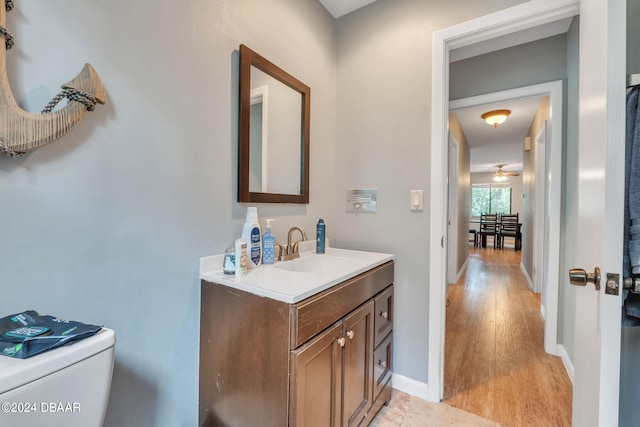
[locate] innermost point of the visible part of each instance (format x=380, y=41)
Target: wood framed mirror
x=273, y=137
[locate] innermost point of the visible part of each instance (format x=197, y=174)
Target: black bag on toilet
x=29, y=333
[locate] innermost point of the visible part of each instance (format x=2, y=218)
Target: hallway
x=495, y=364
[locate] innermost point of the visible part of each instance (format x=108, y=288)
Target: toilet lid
x=17, y=372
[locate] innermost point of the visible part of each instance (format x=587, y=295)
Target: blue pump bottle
x=320, y=236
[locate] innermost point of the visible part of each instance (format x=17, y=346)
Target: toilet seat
x=15, y=373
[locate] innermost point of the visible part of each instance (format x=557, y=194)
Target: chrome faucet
x=291, y=251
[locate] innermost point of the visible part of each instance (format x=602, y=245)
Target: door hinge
x=442, y=242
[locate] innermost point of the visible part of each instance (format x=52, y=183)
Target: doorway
x=548, y=183
x=513, y=20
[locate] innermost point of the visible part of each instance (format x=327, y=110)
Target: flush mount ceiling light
x=495, y=117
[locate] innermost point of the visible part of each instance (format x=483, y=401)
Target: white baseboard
x=412, y=387
x=526, y=275
x=566, y=361
x=462, y=269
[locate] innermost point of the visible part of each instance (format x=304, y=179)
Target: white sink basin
x=315, y=263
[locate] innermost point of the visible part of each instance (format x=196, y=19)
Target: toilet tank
x=65, y=387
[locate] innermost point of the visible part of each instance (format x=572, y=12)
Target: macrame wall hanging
x=21, y=131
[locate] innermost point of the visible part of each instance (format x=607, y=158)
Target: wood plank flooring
x=495, y=364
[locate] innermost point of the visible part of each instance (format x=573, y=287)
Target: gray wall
x=107, y=224
x=540, y=61
x=382, y=141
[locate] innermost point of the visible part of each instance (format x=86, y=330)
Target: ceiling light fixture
x=501, y=176
x=495, y=117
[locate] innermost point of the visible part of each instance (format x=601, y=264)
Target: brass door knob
x=350, y=335
x=579, y=277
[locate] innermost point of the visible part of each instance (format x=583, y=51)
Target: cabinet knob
x=341, y=341
x=384, y=314
x=382, y=363
x=350, y=334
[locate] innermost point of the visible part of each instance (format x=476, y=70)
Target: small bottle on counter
x=241, y=258
x=320, y=233
x=229, y=264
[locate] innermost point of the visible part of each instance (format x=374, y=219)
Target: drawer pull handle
x=384, y=314
x=382, y=363
x=350, y=335
x=341, y=341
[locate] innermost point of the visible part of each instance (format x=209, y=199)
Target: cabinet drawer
x=383, y=315
x=382, y=364
x=316, y=313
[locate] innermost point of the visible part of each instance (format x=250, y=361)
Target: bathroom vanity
x=312, y=350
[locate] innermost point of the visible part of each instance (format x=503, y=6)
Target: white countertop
x=281, y=282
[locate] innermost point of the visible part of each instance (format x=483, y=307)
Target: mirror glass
x=273, y=134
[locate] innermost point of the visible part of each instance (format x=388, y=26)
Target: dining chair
x=473, y=236
x=488, y=227
x=510, y=227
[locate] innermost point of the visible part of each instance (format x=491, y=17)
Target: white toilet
x=65, y=387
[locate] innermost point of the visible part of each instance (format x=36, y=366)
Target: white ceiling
x=337, y=8
x=502, y=145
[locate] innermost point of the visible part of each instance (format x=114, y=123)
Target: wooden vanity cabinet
x=324, y=361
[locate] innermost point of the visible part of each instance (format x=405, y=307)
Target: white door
x=600, y=210
x=452, y=235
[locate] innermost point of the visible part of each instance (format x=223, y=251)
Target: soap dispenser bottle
x=268, y=245
x=320, y=239
x=251, y=233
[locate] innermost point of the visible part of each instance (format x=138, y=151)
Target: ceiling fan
x=502, y=175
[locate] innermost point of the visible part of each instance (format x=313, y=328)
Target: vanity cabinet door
x=316, y=381
x=358, y=366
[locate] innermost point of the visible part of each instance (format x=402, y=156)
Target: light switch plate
x=417, y=200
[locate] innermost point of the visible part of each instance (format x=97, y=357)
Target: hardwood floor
x=495, y=364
